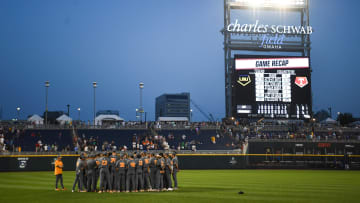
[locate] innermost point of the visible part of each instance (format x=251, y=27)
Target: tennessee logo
x=301, y=81
x=244, y=80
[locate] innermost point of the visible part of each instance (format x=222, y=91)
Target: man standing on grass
x=175, y=163
x=168, y=171
x=90, y=173
x=113, y=175
x=130, y=174
x=157, y=176
x=104, y=174
x=80, y=168
x=121, y=170
x=146, y=180
x=161, y=166
x=97, y=168
x=152, y=167
x=139, y=174
x=58, y=173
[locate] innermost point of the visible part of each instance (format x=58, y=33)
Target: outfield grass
x=199, y=186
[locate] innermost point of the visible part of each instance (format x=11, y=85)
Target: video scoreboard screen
x=271, y=87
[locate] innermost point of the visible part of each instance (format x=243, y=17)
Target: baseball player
x=146, y=171
x=139, y=174
x=153, y=169
x=121, y=174
x=90, y=173
x=162, y=171
x=79, y=179
x=130, y=174
x=104, y=173
x=175, y=162
x=97, y=168
x=168, y=171
x=113, y=175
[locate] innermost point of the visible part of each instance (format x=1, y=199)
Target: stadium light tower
x=137, y=114
x=68, y=109
x=191, y=112
x=94, y=86
x=47, y=85
x=18, y=113
x=141, y=109
x=79, y=113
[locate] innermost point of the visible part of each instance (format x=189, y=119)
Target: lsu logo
x=301, y=81
x=244, y=80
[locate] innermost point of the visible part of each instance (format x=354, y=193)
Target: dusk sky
x=172, y=46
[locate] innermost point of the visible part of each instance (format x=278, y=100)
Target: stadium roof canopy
x=36, y=119
x=329, y=121
x=64, y=119
x=101, y=118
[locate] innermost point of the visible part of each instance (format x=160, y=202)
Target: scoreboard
x=271, y=87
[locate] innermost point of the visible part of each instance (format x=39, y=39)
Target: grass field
x=199, y=186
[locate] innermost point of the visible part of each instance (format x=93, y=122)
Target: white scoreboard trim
x=271, y=63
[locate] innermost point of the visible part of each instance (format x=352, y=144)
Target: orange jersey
x=58, y=167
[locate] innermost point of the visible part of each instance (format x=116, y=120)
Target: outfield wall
x=279, y=154
x=45, y=162
x=199, y=161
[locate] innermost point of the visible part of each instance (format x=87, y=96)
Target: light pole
x=68, y=108
x=141, y=109
x=18, y=113
x=94, y=85
x=137, y=114
x=47, y=85
x=191, y=114
x=79, y=113
x=330, y=112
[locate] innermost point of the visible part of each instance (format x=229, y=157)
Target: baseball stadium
x=123, y=101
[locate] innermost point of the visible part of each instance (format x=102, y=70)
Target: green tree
x=321, y=115
x=345, y=118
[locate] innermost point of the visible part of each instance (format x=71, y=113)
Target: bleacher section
x=64, y=137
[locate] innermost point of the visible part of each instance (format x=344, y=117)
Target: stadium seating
x=64, y=137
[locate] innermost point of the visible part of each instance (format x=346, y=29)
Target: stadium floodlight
x=270, y=3
x=191, y=111
x=94, y=86
x=47, y=85
x=141, y=108
x=18, y=113
x=79, y=113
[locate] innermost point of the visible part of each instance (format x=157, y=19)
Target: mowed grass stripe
x=27, y=187
x=276, y=188
x=199, y=186
x=25, y=182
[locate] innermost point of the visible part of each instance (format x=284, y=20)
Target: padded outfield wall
x=230, y=160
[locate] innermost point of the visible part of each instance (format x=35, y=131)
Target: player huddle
x=136, y=172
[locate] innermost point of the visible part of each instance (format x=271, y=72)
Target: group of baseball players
x=137, y=172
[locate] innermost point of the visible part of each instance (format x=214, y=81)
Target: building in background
x=173, y=105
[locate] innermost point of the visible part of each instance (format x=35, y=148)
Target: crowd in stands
x=161, y=136
x=81, y=143
x=40, y=147
x=302, y=136
x=10, y=138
